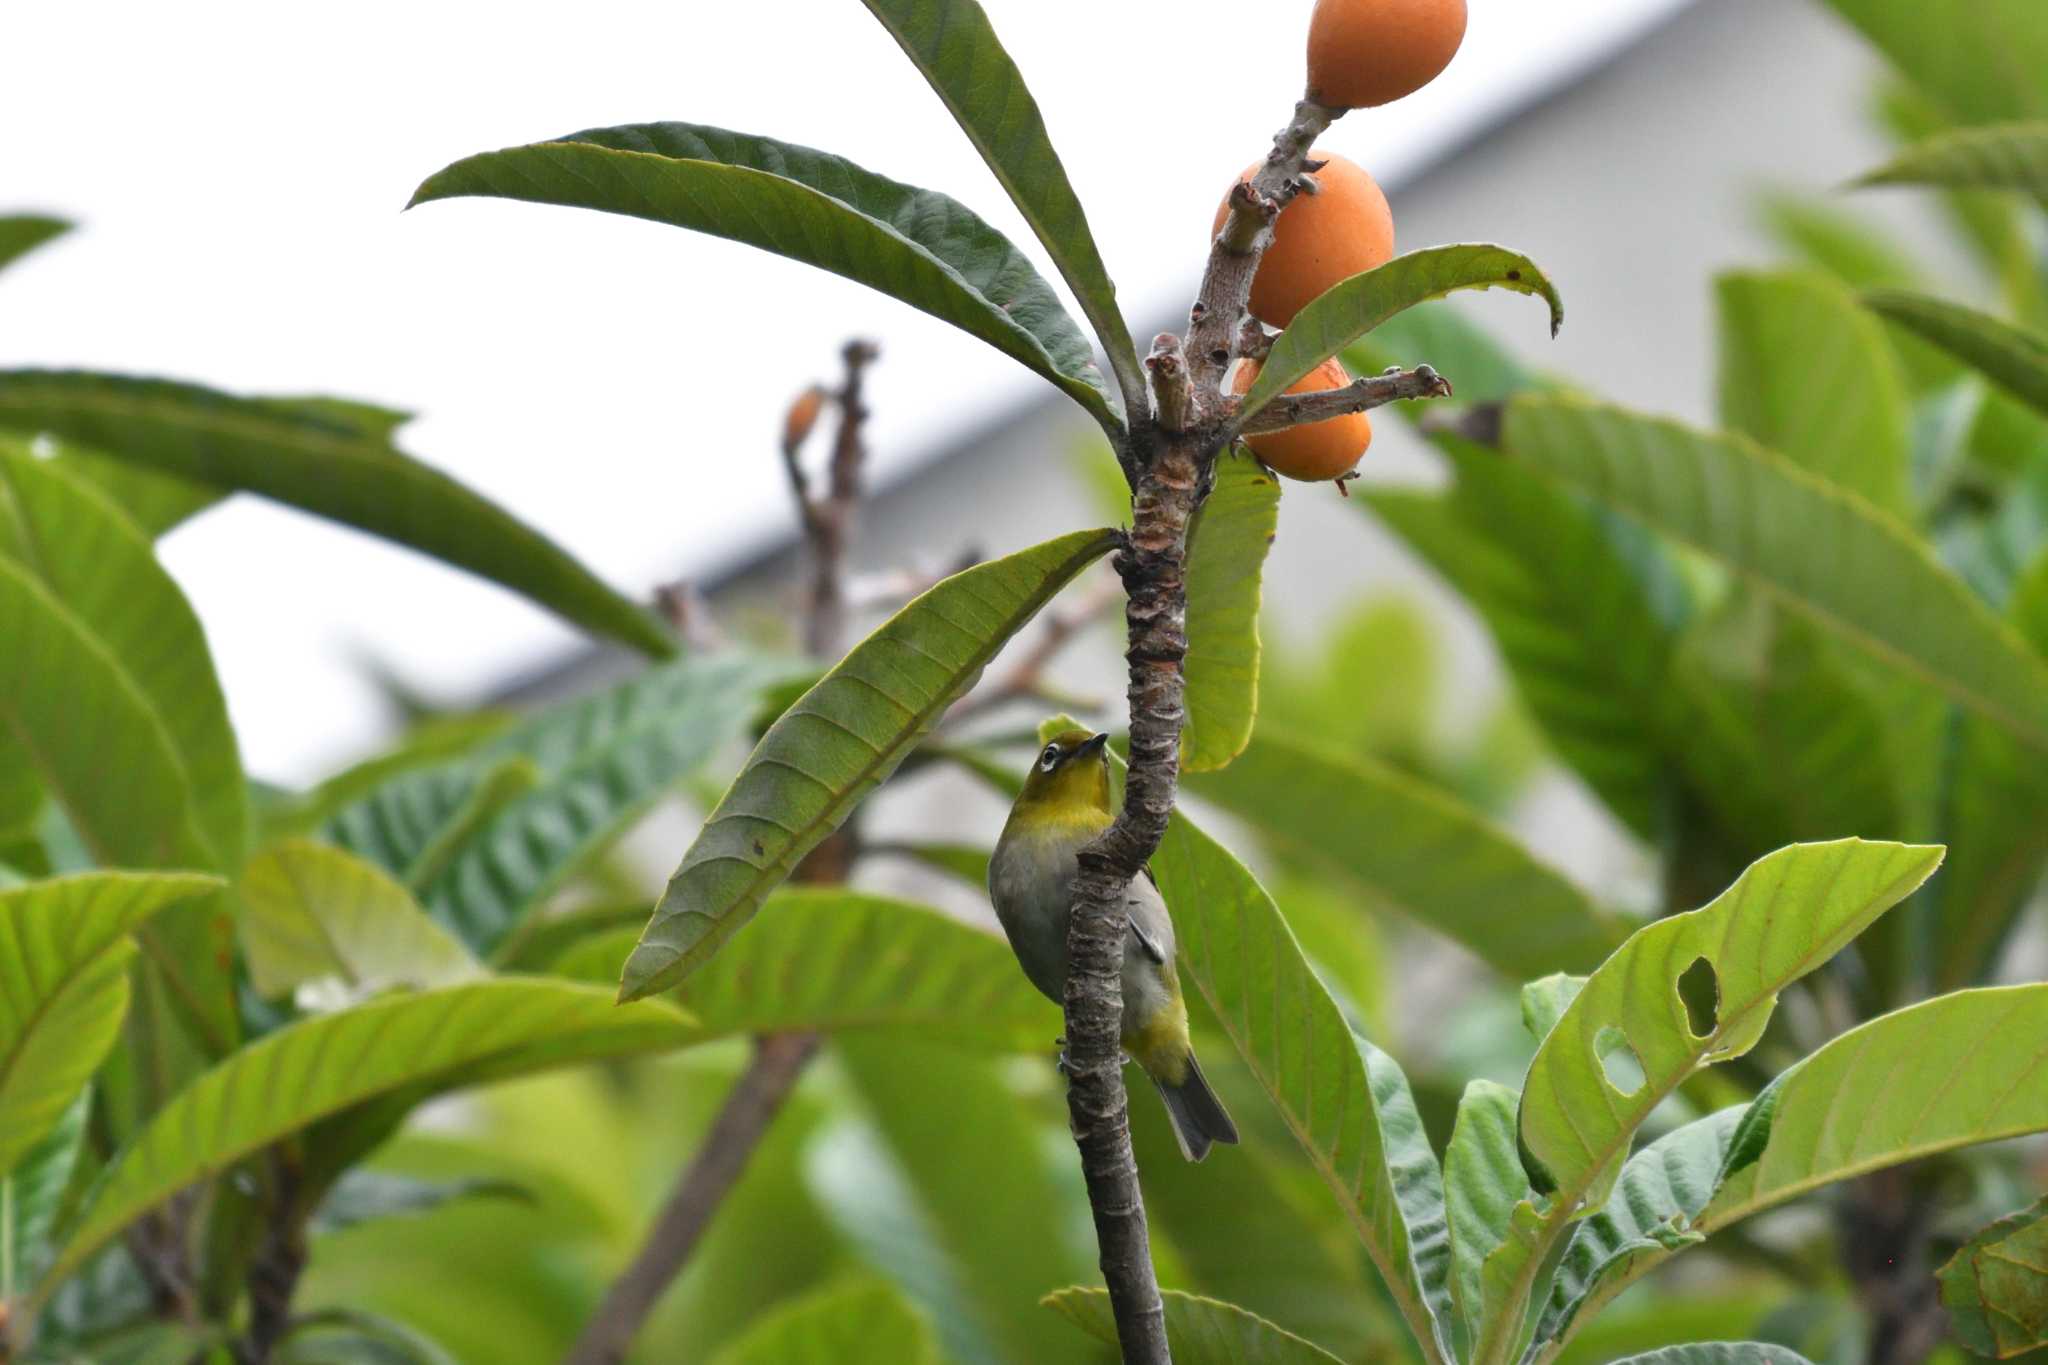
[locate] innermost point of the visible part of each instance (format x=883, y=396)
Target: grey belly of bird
x=1031, y=885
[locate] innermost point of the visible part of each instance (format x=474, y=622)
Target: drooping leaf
x=21, y=233
x=1483, y=1183
x=1226, y=554
x=315, y=915
x=1996, y=1287
x=1719, y=1353
x=1784, y=917
x=828, y=961
x=1411, y=849
x=1983, y=62
x=1572, y=618
x=280, y=1084
x=64, y=957
x=840, y=741
x=1199, y=1331
x=107, y=576
x=1825, y=552
x=34, y=1192
x=327, y=465
x=1807, y=373
x=1348, y=310
x=2001, y=156
x=919, y=246
x=836, y=1325
x=2011, y=357
x=953, y=44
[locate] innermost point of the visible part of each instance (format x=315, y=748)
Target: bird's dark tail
x=1199, y=1118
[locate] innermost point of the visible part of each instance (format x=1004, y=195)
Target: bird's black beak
x=1094, y=745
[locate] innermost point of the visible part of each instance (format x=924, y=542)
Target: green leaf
x=952, y=43
x=32, y=1193
x=1545, y=1000
x=314, y=916
x=829, y=961
x=1784, y=917
x=107, y=576
x=836, y=1325
x=21, y=233
x=64, y=957
x=1438, y=334
x=1983, y=62
x=154, y=502
x=1823, y=551
x=1719, y=1353
x=363, y=1195
x=1996, y=1287
x=1855, y=252
x=278, y=1085
x=1809, y=374
x=1483, y=1184
x=1348, y=310
x=603, y=761
x=1409, y=848
x=840, y=741
x=323, y=464
x=1346, y=1102
x=2007, y=156
x=402, y=822
x=2014, y=359
x=919, y=246
x=966, y=862
x=1226, y=553
x=1573, y=619
x=1199, y=1331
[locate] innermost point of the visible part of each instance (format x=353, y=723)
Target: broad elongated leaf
x=2015, y=360
x=364, y=1195
x=1996, y=1287
x=1346, y=1102
x=104, y=572
x=64, y=956
x=837, y=743
x=1807, y=373
x=1784, y=917
x=1573, y=620
x=314, y=914
x=829, y=961
x=1226, y=555
x=32, y=1192
x=919, y=246
x=399, y=824
x=1437, y=334
x=2002, y=156
x=1824, y=552
x=1414, y=850
x=154, y=501
x=1347, y=311
x=952, y=43
x=329, y=465
x=1199, y=1331
x=1483, y=1184
x=1983, y=63
x=1719, y=1353
x=836, y=1325
x=318, y=1067
x=21, y=233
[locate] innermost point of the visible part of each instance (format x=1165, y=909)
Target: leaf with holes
x=320, y=462
x=921, y=247
x=1199, y=1331
x=1227, y=547
x=1996, y=1287
x=1348, y=310
x=315, y=916
x=2010, y=357
x=840, y=741
x=318, y=1067
x=1425, y=855
x=64, y=958
x=953, y=44
x=1825, y=552
x=1809, y=374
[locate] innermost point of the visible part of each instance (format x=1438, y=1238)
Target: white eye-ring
x=1050, y=759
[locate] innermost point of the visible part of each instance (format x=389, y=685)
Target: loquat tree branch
x=1361, y=395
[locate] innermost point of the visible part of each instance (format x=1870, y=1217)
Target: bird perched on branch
x=1064, y=805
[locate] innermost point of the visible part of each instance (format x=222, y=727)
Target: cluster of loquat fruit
x=1361, y=54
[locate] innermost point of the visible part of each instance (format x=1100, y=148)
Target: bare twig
x=686, y=611
x=1361, y=395
x=779, y=1059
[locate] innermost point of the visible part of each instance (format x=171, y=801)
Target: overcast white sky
x=238, y=169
